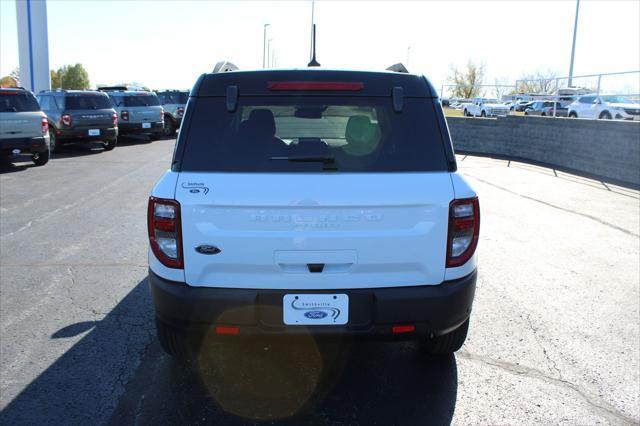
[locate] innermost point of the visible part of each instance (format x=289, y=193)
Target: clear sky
x=167, y=44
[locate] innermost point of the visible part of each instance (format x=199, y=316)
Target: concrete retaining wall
x=608, y=149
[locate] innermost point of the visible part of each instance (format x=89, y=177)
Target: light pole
x=573, y=47
x=264, y=45
x=269, y=50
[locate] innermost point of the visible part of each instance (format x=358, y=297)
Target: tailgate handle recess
x=315, y=268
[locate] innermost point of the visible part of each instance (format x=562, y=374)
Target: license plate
x=315, y=309
x=94, y=132
x=146, y=125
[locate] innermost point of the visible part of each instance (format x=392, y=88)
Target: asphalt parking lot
x=554, y=334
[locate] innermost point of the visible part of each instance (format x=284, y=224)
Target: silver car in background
x=139, y=111
x=24, y=128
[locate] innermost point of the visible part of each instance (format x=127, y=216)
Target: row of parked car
x=38, y=125
x=593, y=106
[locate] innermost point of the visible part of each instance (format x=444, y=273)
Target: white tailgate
x=366, y=230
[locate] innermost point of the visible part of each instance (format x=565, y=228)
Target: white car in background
x=483, y=107
x=604, y=107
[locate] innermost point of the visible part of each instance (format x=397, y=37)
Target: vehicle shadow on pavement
x=77, y=150
x=9, y=166
x=83, y=384
x=117, y=373
x=247, y=382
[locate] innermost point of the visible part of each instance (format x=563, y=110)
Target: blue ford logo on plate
x=315, y=314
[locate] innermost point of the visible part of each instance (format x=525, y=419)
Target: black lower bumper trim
x=25, y=145
x=136, y=128
x=434, y=309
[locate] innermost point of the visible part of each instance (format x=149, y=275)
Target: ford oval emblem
x=315, y=314
x=206, y=249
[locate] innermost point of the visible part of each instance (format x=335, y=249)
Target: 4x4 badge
x=206, y=249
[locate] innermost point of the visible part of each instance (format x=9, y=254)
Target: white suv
x=313, y=202
x=604, y=107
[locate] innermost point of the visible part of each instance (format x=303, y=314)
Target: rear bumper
x=136, y=128
x=82, y=134
x=434, y=310
x=25, y=145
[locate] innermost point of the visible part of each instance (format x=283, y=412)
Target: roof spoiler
x=398, y=68
x=224, y=66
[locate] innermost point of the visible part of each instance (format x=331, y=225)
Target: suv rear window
x=18, y=102
x=141, y=100
x=313, y=133
x=87, y=101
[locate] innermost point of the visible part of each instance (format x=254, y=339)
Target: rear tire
x=448, y=343
x=605, y=116
x=169, y=130
x=40, y=158
x=174, y=343
x=483, y=114
x=110, y=144
x=572, y=114
x=53, y=144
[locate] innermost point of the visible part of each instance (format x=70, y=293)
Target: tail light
x=161, y=115
x=114, y=118
x=165, y=233
x=45, y=126
x=66, y=120
x=464, y=229
x=180, y=111
x=124, y=115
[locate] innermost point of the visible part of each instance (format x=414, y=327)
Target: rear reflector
x=316, y=85
x=227, y=330
x=409, y=328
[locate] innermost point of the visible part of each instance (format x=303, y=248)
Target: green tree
x=70, y=77
x=468, y=81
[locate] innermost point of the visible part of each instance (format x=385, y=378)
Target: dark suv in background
x=173, y=103
x=78, y=116
x=139, y=111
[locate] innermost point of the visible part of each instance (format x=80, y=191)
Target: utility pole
x=264, y=45
x=573, y=47
x=408, y=55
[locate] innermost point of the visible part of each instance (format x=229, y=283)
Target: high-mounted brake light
x=464, y=230
x=45, y=126
x=114, y=118
x=66, y=120
x=316, y=85
x=165, y=232
x=124, y=115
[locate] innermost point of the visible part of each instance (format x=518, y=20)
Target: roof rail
x=224, y=66
x=398, y=68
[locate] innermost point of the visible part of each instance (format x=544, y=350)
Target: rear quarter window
x=312, y=133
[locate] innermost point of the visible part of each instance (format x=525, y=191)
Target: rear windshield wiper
x=307, y=159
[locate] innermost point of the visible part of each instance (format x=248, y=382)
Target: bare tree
x=467, y=81
x=541, y=81
x=501, y=87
